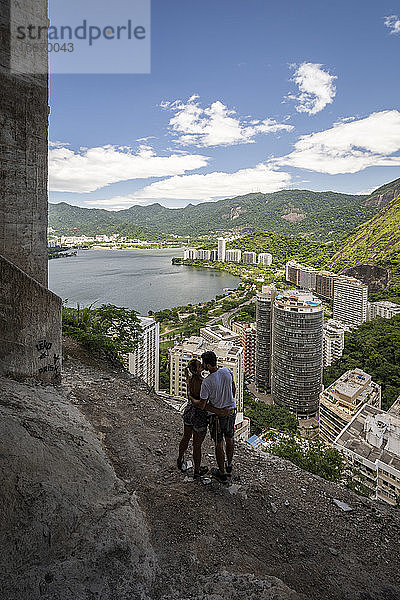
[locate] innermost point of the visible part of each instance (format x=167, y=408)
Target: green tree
x=263, y=416
x=111, y=329
x=313, y=456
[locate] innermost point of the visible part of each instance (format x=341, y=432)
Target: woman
x=195, y=420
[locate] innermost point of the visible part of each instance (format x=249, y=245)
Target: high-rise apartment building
x=307, y=277
x=265, y=259
x=145, y=361
x=350, y=301
x=300, y=275
x=248, y=339
x=221, y=249
x=213, y=254
x=333, y=341
x=292, y=272
x=383, y=309
x=233, y=255
x=203, y=254
x=190, y=254
x=339, y=402
x=249, y=258
x=264, y=314
x=228, y=355
x=324, y=284
x=297, y=352
x=371, y=446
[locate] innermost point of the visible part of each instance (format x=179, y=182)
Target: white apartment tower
x=350, y=301
x=221, y=249
x=383, y=309
x=249, y=258
x=190, y=254
x=233, y=255
x=265, y=259
x=333, y=341
x=145, y=361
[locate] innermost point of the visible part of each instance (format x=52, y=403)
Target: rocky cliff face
x=384, y=194
x=94, y=508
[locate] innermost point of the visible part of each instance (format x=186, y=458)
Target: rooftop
x=222, y=332
x=386, y=304
x=297, y=299
x=197, y=345
x=352, y=387
x=370, y=433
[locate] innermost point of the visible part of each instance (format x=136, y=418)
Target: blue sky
x=243, y=96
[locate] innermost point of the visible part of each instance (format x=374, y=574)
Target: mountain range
x=320, y=216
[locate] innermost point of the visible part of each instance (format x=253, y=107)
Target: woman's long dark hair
x=192, y=366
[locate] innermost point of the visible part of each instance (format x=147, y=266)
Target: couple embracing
x=211, y=404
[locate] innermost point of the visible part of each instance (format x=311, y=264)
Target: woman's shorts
x=195, y=418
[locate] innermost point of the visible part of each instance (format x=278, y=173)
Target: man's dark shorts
x=195, y=418
x=221, y=427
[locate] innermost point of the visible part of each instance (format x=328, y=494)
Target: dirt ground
x=274, y=520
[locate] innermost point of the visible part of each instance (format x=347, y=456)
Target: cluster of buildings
x=349, y=295
x=234, y=255
x=81, y=239
x=285, y=352
x=351, y=419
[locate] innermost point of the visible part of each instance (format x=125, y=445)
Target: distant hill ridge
x=321, y=216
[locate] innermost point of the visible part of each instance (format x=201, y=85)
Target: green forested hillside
x=285, y=247
x=317, y=215
x=376, y=241
x=65, y=219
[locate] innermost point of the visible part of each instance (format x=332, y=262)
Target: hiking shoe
x=222, y=477
x=179, y=463
x=228, y=469
x=203, y=471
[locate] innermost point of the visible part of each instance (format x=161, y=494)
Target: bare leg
x=230, y=445
x=183, y=446
x=198, y=439
x=220, y=455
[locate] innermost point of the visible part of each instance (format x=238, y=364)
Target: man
x=218, y=390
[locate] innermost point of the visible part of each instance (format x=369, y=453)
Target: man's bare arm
x=205, y=405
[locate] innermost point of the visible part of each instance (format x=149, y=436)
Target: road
x=226, y=316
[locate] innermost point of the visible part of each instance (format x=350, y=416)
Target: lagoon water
x=138, y=279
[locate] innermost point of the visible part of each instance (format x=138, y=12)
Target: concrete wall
x=30, y=315
x=23, y=149
x=30, y=327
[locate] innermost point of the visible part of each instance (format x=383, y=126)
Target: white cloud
x=93, y=168
x=315, y=86
x=349, y=147
x=207, y=187
x=393, y=23
x=215, y=125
